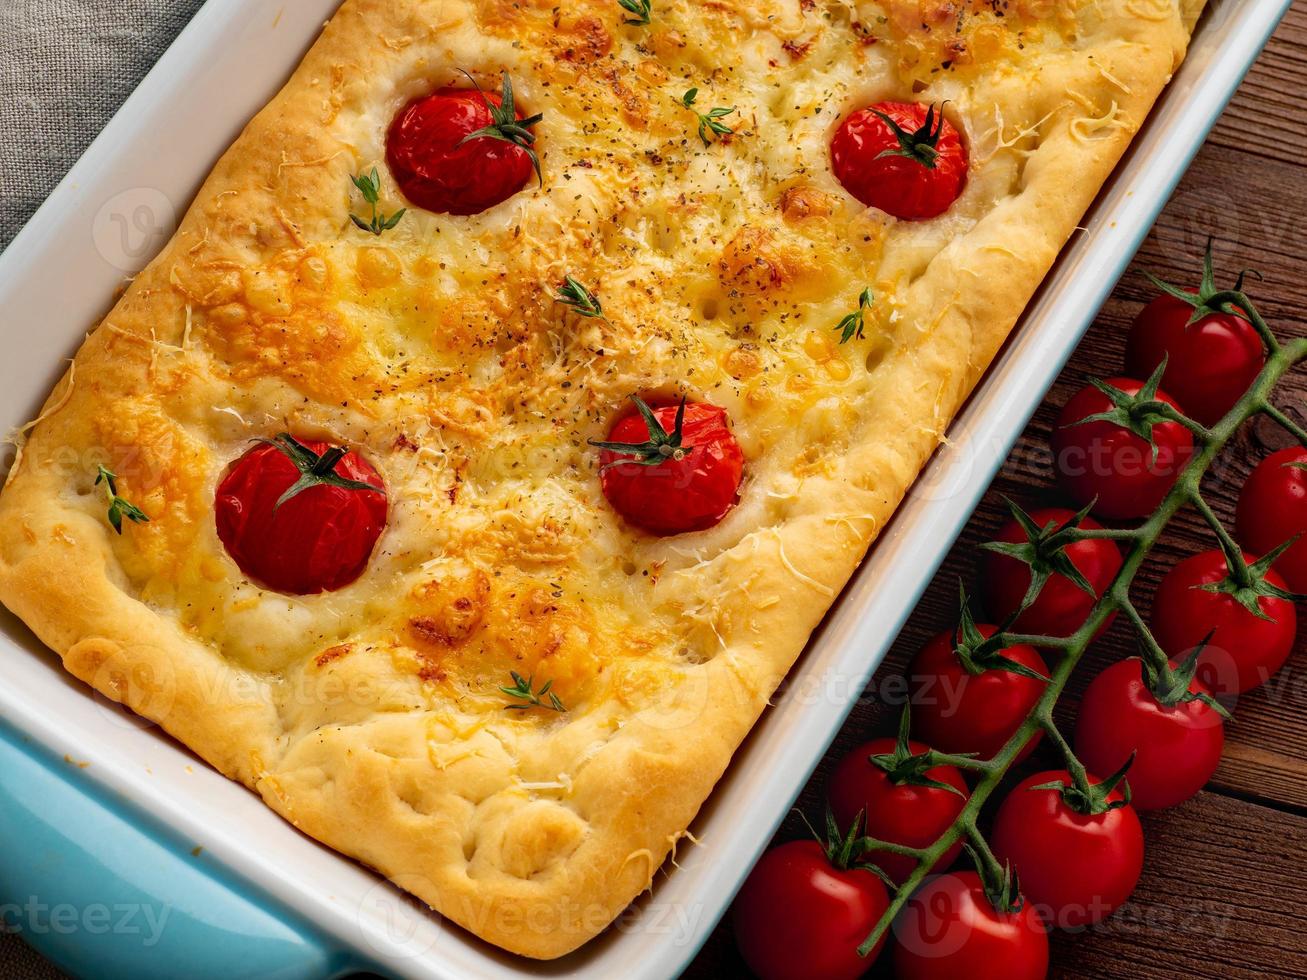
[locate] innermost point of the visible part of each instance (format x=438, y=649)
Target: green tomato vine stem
x=1116, y=598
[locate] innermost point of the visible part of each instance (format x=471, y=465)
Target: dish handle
x=100, y=896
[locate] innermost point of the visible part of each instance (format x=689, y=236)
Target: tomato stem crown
x=506, y=126
x=977, y=653
x=661, y=445
x=1044, y=552
x=1207, y=299
x=1092, y=799
x=921, y=143
x=314, y=470
x=905, y=769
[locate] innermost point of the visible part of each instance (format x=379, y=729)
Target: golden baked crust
x=438, y=351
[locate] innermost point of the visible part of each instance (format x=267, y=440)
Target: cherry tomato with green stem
x=1077, y=846
x=905, y=798
x=1273, y=510
x=1169, y=723
x=806, y=908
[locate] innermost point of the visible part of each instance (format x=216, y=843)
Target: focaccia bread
x=372, y=716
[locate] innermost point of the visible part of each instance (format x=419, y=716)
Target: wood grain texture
x=1219, y=893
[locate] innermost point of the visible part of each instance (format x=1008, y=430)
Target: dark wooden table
x=1221, y=894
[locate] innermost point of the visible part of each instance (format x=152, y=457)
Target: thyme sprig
x=369, y=185
x=524, y=690
x=711, y=126
x=852, y=325
x=641, y=9
x=119, y=507
x=581, y=300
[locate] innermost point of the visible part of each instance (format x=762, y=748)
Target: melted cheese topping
x=440, y=351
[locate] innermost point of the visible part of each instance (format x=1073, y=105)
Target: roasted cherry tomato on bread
x=1034, y=544
x=950, y=928
x=1078, y=852
x=300, y=516
x=462, y=151
x=968, y=698
x=904, y=158
x=1200, y=601
x=1170, y=725
x=1102, y=450
x=672, y=468
x=902, y=800
x=1273, y=510
x=806, y=908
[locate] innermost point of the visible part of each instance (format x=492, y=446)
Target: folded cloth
x=65, y=68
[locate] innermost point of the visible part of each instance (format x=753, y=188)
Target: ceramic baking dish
x=121, y=854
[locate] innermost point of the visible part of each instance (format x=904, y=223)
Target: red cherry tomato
x=437, y=171
x=926, y=165
x=1109, y=464
x=1210, y=363
x=1273, y=508
x=798, y=917
x=318, y=540
x=950, y=929
x=1062, y=606
x=914, y=816
x=1076, y=868
x=689, y=486
x=1244, y=649
x=959, y=712
x=1176, y=748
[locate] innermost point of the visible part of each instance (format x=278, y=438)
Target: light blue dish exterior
x=103, y=893
x=64, y=843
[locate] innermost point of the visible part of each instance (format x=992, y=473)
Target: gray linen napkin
x=65, y=67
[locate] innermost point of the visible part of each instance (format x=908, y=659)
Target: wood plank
x=1212, y=903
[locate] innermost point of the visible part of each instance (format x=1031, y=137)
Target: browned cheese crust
x=371, y=717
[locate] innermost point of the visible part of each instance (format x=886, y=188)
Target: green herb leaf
x=524, y=690
x=642, y=9
x=119, y=507
x=852, y=325
x=369, y=185
x=710, y=125
x=581, y=300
